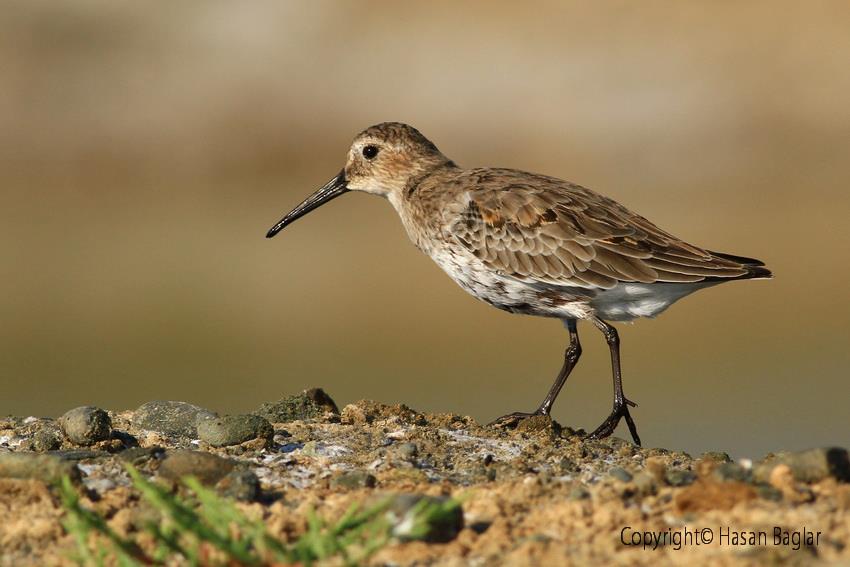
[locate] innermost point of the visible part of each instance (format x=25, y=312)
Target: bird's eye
x=370, y=151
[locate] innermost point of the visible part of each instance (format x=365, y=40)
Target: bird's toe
x=511, y=420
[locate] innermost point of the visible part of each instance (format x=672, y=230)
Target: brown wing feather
x=541, y=229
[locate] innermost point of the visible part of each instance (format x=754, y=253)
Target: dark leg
x=571, y=356
x=621, y=404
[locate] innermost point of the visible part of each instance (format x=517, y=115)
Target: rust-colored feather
x=540, y=229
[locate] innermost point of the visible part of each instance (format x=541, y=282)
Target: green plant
x=428, y=520
x=205, y=529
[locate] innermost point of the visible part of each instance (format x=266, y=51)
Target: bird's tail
x=756, y=269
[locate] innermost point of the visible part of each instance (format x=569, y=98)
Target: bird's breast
x=505, y=292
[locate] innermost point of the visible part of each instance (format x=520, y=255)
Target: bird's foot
x=621, y=410
x=511, y=420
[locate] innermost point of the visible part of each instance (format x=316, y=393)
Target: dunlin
x=531, y=244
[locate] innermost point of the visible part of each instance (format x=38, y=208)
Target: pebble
x=46, y=468
x=290, y=447
x=354, y=479
x=44, y=439
x=206, y=467
x=808, y=466
x=726, y=472
x=620, y=474
x=369, y=411
x=679, y=477
x=716, y=456
x=435, y=528
x=234, y=429
x=314, y=403
x=241, y=484
x=176, y=419
x=86, y=425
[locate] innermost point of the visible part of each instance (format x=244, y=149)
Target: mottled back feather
x=540, y=229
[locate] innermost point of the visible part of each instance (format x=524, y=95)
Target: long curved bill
x=331, y=190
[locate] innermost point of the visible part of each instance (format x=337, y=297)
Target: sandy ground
x=536, y=495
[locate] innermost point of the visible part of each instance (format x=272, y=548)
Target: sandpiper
x=531, y=244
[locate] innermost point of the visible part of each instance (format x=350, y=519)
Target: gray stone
x=442, y=524
x=86, y=425
x=808, y=466
x=241, y=484
x=206, y=467
x=354, y=479
x=731, y=472
x=314, y=403
x=234, y=429
x=38, y=466
x=679, y=477
x=176, y=419
x=620, y=474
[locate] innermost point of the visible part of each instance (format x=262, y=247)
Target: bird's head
x=382, y=160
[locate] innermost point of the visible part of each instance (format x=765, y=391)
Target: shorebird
x=531, y=244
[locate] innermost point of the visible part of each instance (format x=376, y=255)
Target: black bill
x=331, y=190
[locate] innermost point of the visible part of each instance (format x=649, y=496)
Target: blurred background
x=144, y=153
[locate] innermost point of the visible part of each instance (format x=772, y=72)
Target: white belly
x=507, y=293
x=625, y=302
x=629, y=301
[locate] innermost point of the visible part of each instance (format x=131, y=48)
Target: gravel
x=176, y=419
x=206, y=467
x=309, y=404
x=86, y=425
x=535, y=494
x=234, y=430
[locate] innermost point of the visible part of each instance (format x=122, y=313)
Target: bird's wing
x=541, y=229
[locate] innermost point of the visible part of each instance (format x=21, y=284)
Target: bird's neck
x=428, y=179
x=418, y=204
